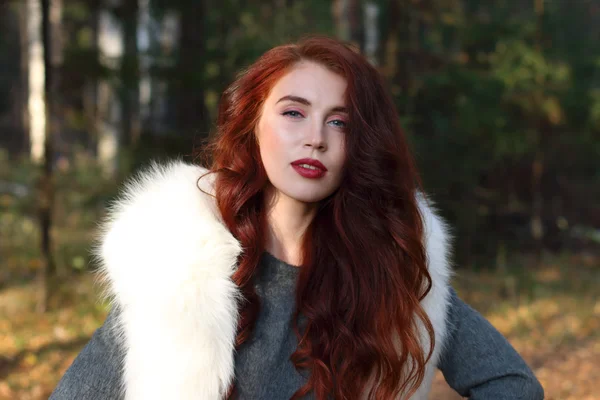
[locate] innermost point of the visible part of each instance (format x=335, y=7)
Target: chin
x=307, y=195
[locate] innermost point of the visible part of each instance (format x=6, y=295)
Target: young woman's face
x=301, y=133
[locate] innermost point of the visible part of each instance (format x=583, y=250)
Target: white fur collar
x=167, y=259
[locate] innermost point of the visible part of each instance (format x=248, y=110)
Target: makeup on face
x=309, y=168
x=302, y=131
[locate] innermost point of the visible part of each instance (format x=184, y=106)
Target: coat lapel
x=168, y=261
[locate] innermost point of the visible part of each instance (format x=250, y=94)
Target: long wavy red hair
x=364, y=271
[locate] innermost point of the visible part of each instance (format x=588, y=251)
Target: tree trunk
x=145, y=80
x=36, y=75
x=348, y=22
x=51, y=26
x=109, y=108
x=537, y=166
x=391, y=47
x=157, y=92
x=90, y=94
x=130, y=73
x=372, y=34
x=193, y=115
x=23, y=78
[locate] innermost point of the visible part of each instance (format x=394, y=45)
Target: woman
x=305, y=262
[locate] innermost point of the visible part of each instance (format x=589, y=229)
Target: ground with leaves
x=553, y=320
x=551, y=315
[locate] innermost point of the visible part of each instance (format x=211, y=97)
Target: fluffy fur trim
x=436, y=303
x=167, y=260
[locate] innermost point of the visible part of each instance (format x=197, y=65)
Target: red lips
x=310, y=161
x=316, y=172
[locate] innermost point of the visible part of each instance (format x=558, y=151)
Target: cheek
x=339, y=151
x=268, y=139
x=271, y=144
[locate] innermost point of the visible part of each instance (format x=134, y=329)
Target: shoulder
x=160, y=188
x=161, y=227
x=166, y=259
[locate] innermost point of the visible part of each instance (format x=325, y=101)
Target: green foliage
x=81, y=197
x=513, y=86
x=483, y=89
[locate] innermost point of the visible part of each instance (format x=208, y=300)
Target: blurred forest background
x=500, y=99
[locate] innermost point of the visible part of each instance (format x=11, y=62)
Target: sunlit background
x=500, y=100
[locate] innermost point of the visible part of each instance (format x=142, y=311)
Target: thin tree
x=372, y=31
x=537, y=166
x=51, y=25
x=36, y=109
x=130, y=94
x=193, y=115
x=348, y=21
x=109, y=111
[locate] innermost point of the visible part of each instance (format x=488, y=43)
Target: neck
x=287, y=220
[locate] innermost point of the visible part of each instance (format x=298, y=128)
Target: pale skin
x=303, y=117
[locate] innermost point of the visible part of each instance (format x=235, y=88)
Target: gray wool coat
x=167, y=259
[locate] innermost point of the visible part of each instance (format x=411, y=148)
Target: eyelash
x=298, y=112
x=292, y=111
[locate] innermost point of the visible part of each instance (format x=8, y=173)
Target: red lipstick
x=309, y=168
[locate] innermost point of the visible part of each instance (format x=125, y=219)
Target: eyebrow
x=304, y=101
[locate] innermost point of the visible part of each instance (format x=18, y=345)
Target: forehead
x=312, y=81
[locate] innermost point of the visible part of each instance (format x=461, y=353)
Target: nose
x=316, y=139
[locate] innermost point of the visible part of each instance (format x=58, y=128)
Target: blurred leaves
x=82, y=197
x=515, y=87
x=483, y=89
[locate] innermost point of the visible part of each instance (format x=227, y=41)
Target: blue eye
x=295, y=113
x=341, y=124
